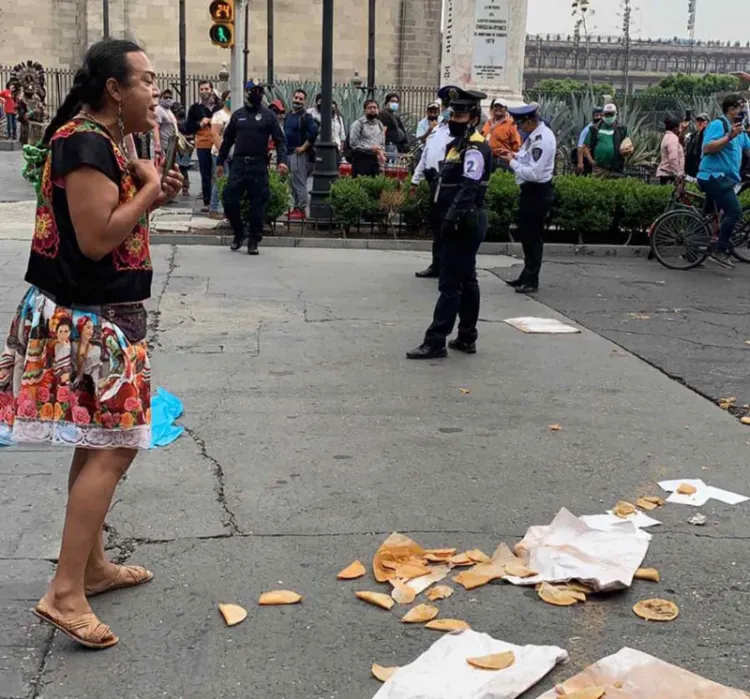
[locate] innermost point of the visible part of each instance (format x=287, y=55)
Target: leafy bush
x=416, y=209
x=584, y=205
x=374, y=188
x=349, y=201
x=502, y=201
x=278, y=202
x=639, y=204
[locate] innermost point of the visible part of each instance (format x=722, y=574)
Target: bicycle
x=681, y=236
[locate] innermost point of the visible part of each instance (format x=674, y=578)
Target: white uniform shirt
x=535, y=162
x=433, y=153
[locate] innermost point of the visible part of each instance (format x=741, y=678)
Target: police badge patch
x=258, y=117
x=536, y=153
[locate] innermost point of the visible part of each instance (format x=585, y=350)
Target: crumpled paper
x=604, y=558
x=642, y=676
x=442, y=672
x=703, y=493
x=546, y=326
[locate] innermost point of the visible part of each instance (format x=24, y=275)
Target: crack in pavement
x=230, y=522
x=37, y=680
x=155, y=315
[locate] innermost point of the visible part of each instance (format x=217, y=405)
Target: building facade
x=550, y=56
x=58, y=32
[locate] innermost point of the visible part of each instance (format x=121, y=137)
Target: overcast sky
x=655, y=18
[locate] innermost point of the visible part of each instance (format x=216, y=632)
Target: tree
x=698, y=86
x=582, y=12
x=563, y=88
x=626, y=24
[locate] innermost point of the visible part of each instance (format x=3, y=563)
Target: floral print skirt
x=70, y=376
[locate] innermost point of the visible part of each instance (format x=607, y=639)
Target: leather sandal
x=85, y=629
x=127, y=576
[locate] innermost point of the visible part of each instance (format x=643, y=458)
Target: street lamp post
x=326, y=161
x=371, y=48
x=105, y=18
x=269, y=45
x=182, y=38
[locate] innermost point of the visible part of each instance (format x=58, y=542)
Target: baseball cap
x=277, y=105
x=434, y=105
x=610, y=109
x=703, y=117
x=499, y=102
x=251, y=84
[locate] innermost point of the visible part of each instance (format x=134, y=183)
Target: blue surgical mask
x=393, y=106
x=446, y=114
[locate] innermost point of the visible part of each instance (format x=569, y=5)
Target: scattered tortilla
x=464, y=391
x=402, y=593
x=478, y=556
x=745, y=420
x=555, y=428
x=411, y=570
x=461, y=559
x=420, y=614
x=447, y=625
x=377, y=598
x=656, y=610
x=726, y=403
x=624, y=509
x=396, y=549
x=647, y=574
x=579, y=587
x=686, y=489
x=439, y=592
x=471, y=579
x=588, y=693
x=654, y=499
x=560, y=598
x=233, y=614
x=646, y=504
x=278, y=597
x=519, y=570
x=382, y=673
x=352, y=572
x=442, y=554
x=496, y=661
x=437, y=573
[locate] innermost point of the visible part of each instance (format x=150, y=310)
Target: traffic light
x=222, y=29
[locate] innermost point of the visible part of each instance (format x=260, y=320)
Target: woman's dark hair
x=731, y=101
x=671, y=124
x=318, y=97
x=104, y=60
x=224, y=96
x=167, y=92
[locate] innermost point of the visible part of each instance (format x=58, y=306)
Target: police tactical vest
x=452, y=170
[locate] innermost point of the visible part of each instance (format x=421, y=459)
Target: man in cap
x=461, y=188
x=248, y=131
x=583, y=165
x=427, y=126
x=500, y=130
x=694, y=145
x=607, y=144
x=534, y=166
x=428, y=169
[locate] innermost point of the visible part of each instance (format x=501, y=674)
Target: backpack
x=348, y=150
x=694, y=153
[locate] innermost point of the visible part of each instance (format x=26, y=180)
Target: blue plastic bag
x=165, y=409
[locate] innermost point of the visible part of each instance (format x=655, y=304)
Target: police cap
x=252, y=85
x=524, y=110
x=466, y=100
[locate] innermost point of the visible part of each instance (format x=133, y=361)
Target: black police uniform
x=461, y=190
x=248, y=131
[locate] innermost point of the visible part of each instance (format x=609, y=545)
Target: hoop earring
x=120, y=124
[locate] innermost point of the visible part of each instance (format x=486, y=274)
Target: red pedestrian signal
x=222, y=29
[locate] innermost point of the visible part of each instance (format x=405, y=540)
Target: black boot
x=461, y=346
x=429, y=273
x=527, y=289
x=236, y=245
x=427, y=352
x=514, y=282
x=252, y=248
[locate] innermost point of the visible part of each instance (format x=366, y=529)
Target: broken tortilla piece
x=411, y=570
x=648, y=574
x=496, y=661
x=439, y=592
x=646, y=504
x=471, y=579
x=420, y=614
x=394, y=551
x=382, y=673
x=686, y=489
x=589, y=693
x=376, y=598
x=461, y=559
x=447, y=625
x=402, y=593
x=559, y=597
x=352, y=572
x=233, y=614
x=519, y=570
x=279, y=597
x=624, y=509
x=478, y=556
x=656, y=610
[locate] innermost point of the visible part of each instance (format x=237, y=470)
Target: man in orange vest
x=501, y=132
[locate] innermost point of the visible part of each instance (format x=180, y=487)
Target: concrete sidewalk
x=310, y=438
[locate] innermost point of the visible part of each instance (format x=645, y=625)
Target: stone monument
x=484, y=42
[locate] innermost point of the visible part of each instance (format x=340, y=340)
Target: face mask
x=206, y=97
x=228, y=103
x=457, y=128
x=166, y=102
x=254, y=99
x=446, y=114
x=393, y=106
x=609, y=120
x=296, y=106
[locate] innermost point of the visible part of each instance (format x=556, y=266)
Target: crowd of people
x=20, y=108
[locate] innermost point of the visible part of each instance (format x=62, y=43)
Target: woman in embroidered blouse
x=90, y=272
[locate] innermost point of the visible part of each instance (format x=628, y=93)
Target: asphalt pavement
x=310, y=438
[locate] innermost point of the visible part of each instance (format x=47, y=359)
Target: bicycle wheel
x=680, y=239
x=741, y=237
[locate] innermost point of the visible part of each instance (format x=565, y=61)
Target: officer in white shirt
x=534, y=166
x=428, y=169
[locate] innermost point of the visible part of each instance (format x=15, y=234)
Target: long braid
x=70, y=105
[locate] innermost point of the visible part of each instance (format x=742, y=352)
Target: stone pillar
x=484, y=44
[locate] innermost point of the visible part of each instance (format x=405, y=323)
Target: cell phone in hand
x=170, y=157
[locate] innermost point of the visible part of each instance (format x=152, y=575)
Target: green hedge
x=586, y=208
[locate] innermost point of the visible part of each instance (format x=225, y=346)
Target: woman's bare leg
x=88, y=502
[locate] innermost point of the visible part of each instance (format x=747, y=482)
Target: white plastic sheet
x=703, y=494
x=642, y=676
x=547, y=326
x=604, y=558
x=442, y=672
